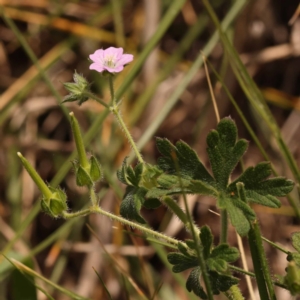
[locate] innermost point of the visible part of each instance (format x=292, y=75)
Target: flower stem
x=92, y=96
x=115, y=110
x=111, y=89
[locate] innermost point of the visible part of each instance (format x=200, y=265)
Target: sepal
x=57, y=204
x=77, y=89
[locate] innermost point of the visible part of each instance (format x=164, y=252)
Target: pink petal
x=112, y=51
x=97, y=56
x=125, y=59
x=118, y=69
x=98, y=67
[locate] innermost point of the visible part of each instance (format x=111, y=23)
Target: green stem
x=115, y=110
x=112, y=91
x=35, y=177
x=93, y=196
x=259, y=263
x=242, y=271
x=176, y=209
x=92, y=96
x=224, y=226
x=79, y=142
x=142, y=228
x=251, y=274
x=99, y=210
x=196, y=237
x=80, y=213
x=263, y=259
x=275, y=245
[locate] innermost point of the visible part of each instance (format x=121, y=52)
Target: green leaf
x=223, y=251
x=181, y=159
x=217, y=264
x=170, y=185
x=132, y=203
x=216, y=260
x=206, y=238
x=128, y=175
x=259, y=189
x=121, y=173
x=296, y=240
x=202, y=188
x=224, y=151
x=183, y=249
x=182, y=262
x=24, y=288
x=238, y=219
x=221, y=282
x=193, y=283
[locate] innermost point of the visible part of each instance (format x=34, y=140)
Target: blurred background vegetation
x=164, y=93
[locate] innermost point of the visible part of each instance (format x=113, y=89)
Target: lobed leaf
x=206, y=238
x=296, y=240
x=182, y=262
x=193, y=283
x=221, y=282
x=259, y=189
x=181, y=159
x=224, y=151
x=226, y=253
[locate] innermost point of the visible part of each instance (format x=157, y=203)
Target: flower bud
x=57, y=204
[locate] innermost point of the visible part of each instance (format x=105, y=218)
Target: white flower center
x=110, y=61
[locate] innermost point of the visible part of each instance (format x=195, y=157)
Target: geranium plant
x=179, y=171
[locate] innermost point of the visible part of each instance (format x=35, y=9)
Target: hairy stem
x=257, y=259
x=98, y=210
x=115, y=110
x=171, y=204
x=94, y=97
x=224, y=226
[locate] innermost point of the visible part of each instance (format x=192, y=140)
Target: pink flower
x=111, y=59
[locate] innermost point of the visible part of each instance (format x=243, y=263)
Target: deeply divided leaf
x=259, y=189
x=216, y=260
x=181, y=159
x=224, y=151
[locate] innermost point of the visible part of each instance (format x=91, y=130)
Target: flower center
x=110, y=61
